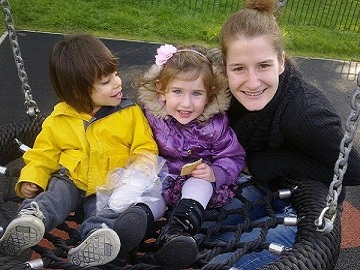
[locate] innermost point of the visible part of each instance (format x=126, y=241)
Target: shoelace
x=33, y=210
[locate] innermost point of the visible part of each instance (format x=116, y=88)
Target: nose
x=252, y=80
x=185, y=101
x=118, y=82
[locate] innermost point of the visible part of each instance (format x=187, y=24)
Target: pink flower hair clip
x=164, y=53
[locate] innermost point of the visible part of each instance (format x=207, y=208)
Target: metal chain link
x=279, y=5
x=31, y=107
x=323, y=223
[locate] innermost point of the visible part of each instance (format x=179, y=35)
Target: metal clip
x=23, y=148
x=276, y=248
x=35, y=264
x=3, y=169
x=290, y=221
x=324, y=224
x=284, y=193
x=32, y=108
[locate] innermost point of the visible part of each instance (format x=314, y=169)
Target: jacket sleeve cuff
x=220, y=175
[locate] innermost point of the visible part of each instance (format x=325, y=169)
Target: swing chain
x=279, y=5
x=31, y=107
x=322, y=223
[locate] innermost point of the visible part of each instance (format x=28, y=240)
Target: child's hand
x=29, y=190
x=204, y=171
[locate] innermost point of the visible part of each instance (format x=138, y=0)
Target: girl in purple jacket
x=185, y=96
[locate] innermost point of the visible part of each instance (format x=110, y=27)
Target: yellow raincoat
x=88, y=147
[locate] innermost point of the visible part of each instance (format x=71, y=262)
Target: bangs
x=106, y=67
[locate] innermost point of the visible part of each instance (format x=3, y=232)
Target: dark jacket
x=297, y=134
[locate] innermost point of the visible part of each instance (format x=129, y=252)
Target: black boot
x=132, y=226
x=178, y=249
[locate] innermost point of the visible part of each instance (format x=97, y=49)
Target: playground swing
x=317, y=245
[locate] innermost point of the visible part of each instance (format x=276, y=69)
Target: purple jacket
x=209, y=137
x=213, y=141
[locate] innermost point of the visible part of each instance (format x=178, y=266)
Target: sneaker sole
x=22, y=233
x=131, y=228
x=179, y=252
x=101, y=247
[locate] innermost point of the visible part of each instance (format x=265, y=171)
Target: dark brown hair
x=256, y=19
x=76, y=63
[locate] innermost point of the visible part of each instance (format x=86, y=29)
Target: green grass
x=139, y=20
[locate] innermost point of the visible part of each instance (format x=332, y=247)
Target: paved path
x=336, y=78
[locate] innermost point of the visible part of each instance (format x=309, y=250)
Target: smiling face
x=253, y=70
x=107, y=91
x=185, y=100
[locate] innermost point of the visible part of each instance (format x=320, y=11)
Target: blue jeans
x=63, y=197
x=283, y=235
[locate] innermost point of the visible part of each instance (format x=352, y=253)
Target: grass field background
x=322, y=28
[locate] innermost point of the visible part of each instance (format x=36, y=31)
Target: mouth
x=184, y=113
x=117, y=95
x=254, y=94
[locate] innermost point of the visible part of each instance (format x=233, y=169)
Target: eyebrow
x=261, y=62
x=180, y=88
x=267, y=61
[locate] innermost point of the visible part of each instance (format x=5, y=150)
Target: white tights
x=197, y=189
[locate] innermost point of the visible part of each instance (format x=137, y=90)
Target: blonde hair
x=255, y=19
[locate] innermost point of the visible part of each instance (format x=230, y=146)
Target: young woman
x=184, y=97
x=287, y=126
x=91, y=131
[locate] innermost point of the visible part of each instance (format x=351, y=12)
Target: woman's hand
x=29, y=190
x=246, y=170
x=204, y=171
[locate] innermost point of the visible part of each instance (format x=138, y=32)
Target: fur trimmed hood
x=148, y=96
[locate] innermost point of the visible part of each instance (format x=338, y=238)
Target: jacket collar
x=63, y=108
x=107, y=110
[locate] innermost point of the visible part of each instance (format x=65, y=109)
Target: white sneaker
x=99, y=248
x=23, y=232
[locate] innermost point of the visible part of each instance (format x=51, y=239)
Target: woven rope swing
x=317, y=243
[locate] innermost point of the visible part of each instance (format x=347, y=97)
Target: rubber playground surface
x=337, y=79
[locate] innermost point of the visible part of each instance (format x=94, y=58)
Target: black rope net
x=312, y=249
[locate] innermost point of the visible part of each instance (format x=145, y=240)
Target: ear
x=282, y=63
x=158, y=85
